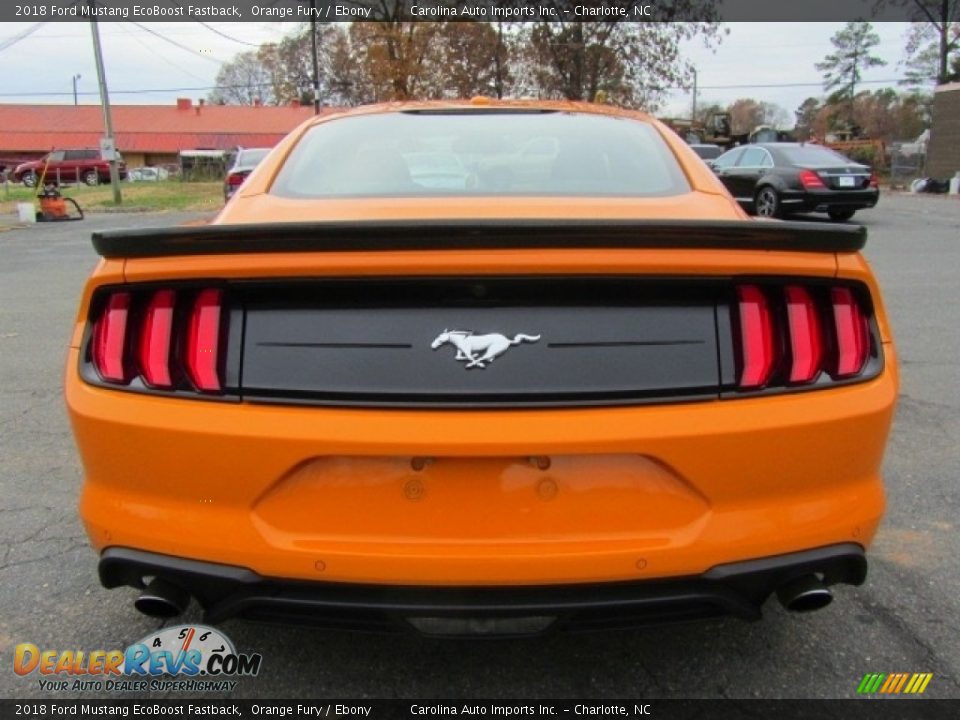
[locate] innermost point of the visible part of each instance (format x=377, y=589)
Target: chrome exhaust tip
x=162, y=599
x=804, y=594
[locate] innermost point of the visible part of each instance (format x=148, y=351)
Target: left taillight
x=202, y=353
x=811, y=180
x=109, y=341
x=156, y=340
x=160, y=339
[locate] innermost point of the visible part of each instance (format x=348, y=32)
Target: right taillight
x=806, y=339
x=853, y=333
x=799, y=334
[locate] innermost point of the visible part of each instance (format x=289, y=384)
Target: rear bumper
x=737, y=589
x=811, y=201
x=624, y=494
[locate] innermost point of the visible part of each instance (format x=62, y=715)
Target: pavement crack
x=891, y=619
x=51, y=556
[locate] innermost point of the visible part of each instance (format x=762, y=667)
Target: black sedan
x=774, y=179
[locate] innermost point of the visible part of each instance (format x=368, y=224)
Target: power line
x=213, y=29
x=14, y=39
x=179, y=45
x=159, y=55
x=228, y=37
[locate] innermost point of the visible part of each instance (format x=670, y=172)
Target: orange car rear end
x=481, y=414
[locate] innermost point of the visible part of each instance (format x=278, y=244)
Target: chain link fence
x=908, y=162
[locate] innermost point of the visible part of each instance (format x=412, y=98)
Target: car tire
x=840, y=215
x=766, y=203
x=91, y=178
x=29, y=179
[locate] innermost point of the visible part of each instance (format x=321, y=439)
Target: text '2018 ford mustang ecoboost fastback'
x=481, y=367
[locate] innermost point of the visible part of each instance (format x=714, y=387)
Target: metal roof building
x=145, y=134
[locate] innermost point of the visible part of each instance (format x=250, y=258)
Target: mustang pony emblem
x=479, y=350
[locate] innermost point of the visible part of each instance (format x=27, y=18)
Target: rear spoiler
x=479, y=234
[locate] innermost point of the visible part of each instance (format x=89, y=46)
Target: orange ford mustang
x=481, y=367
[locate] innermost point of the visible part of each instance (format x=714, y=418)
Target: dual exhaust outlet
x=164, y=599
x=804, y=594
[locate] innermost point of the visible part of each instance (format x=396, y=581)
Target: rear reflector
x=758, y=351
x=853, y=335
x=156, y=339
x=203, y=341
x=806, y=340
x=110, y=339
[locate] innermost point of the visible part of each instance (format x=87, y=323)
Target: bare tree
x=934, y=48
x=393, y=58
x=746, y=114
x=933, y=54
x=244, y=80
x=633, y=64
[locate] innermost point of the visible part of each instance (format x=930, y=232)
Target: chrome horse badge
x=479, y=350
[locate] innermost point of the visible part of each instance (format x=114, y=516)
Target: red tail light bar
x=853, y=335
x=806, y=338
x=156, y=340
x=794, y=335
x=810, y=180
x=786, y=334
x=203, y=341
x=110, y=339
x=163, y=338
x=756, y=327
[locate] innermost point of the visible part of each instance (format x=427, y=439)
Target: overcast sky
x=137, y=57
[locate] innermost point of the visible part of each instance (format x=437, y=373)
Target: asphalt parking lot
x=905, y=619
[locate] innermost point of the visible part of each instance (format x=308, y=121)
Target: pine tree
x=842, y=69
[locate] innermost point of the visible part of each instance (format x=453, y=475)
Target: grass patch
x=169, y=195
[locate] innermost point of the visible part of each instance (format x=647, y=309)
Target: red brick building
x=145, y=134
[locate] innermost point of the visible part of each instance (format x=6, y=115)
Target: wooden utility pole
x=693, y=116
x=313, y=45
x=105, y=103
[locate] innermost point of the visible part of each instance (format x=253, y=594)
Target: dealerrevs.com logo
x=196, y=657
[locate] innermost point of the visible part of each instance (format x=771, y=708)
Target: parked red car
x=69, y=166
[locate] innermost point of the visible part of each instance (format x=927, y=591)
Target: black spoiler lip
x=500, y=234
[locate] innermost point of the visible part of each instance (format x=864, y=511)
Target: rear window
x=480, y=153
x=814, y=155
x=251, y=157
x=708, y=152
